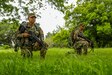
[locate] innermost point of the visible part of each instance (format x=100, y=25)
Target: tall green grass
x=57, y=63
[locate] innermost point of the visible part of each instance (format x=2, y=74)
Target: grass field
x=57, y=63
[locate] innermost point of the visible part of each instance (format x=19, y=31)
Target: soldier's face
x=82, y=27
x=32, y=19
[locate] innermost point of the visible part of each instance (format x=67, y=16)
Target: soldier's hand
x=25, y=34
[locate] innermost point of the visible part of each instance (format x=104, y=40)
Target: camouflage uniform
x=26, y=44
x=79, y=42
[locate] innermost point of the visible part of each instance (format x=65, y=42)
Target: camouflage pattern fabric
x=26, y=51
x=26, y=45
x=80, y=43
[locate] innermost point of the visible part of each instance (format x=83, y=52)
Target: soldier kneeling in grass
x=80, y=42
x=30, y=37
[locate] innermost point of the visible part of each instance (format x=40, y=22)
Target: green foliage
x=61, y=38
x=58, y=4
x=49, y=41
x=57, y=63
x=13, y=8
x=6, y=46
x=8, y=29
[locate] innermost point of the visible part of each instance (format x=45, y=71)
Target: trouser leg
x=43, y=53
x=26, y=52
x=79, y=51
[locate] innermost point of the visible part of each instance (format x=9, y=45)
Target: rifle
x=91, y=42
x=34, y=39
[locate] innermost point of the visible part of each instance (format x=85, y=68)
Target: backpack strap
x=37, y=25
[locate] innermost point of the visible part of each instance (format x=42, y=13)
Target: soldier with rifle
x=80, y=41
x=28, y=34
